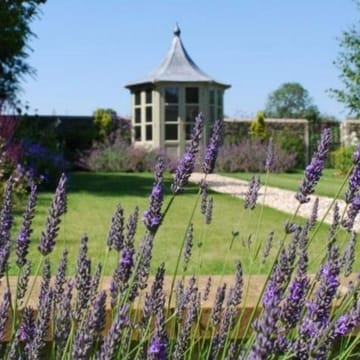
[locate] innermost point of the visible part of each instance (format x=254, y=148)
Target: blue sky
x=86, y=51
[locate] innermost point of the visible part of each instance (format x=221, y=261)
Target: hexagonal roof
x=177, y=66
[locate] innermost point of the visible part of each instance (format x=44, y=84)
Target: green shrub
x=104, y=122
x=292, y=145
x=258, y=128
x=341, y=159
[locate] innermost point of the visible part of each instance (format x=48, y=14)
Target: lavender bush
x=249, y=155
x=296, y=315
x=114, y=153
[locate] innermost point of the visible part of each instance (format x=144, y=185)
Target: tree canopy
x=348, y=62
x=15, y=33
x=291, y=101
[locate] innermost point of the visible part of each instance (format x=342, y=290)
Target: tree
x=258, y=127
x=348, y=62
x=15, y=33
x=104, y=121
x=291, y=101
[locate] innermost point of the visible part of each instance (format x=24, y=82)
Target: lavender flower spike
x=351, y=214
x=187, y=162
x=213, y=147
x=23, y=239
x=313, y=171
x=58, y=208
x=354, y=178
x=152, y=216
x=269, y=155
x=252, y=193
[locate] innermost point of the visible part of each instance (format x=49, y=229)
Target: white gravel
x=279, y=199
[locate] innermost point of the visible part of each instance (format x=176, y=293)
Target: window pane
x=148, y=96
x=171, y=113
x=192, y=95
x=212, y=113
x=212, y=96
x=148, y=114
x=220, y=113
x=137, y=98
x=137, y=116
x=191, y=113
x=171, y=132
x=137, y=130
x=148, y=132
x=171, y=95
x=220, y=98
x=188, y=129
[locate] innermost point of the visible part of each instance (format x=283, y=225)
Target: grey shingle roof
x=177, y=66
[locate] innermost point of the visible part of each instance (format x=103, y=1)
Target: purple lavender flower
x=155, y=301
x=320, y=304
x=88, y=334
x=268, y=246
x=354, y=178
x=352, y=212
x=266, y=327
x=314, y=213
x=235, y=293
x=294, y=302
x=252, y=193
x=22, y=284
x=204, y=195
x=218, y=303
x=184, y=170
x=192, y=309
x=290, y=227
x=159, y=341
x=188, y=245
x=41, y=328
x=348, y=258
x=207, y=289
x=213, y=147
x=353, y=184
x=116, y=233
x=6, y=217
x=111, y=342
x=45, y=282
x=335, y=223
x=313, y=171
x=122, y=274
x=4, y=313
x=152, y=217
x=131, y=227
x=269, y=155
x=58, y=208
x=60, y=278
x=82, y=279
x=62, y=324
x=208, y=212
x=346, y=322
x=26, y=329
x=4, y=257
x=23, y=239
x=187, y=162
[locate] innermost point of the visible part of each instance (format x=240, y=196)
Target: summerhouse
x=166, y=101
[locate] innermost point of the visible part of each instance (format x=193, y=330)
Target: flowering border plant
x=296, y=315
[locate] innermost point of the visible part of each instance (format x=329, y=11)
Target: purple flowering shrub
x=26, y=158
x=134, y=316
x=249, y=156
x=116, y=154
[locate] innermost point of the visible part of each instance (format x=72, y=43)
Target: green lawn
x=328, y=186
x=93, y=197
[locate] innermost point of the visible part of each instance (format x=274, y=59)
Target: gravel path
x=279, y=199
